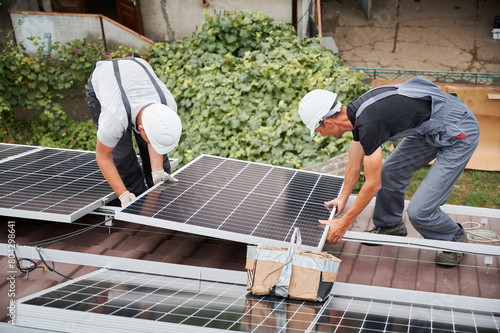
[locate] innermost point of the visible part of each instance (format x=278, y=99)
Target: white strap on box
x=281, y=287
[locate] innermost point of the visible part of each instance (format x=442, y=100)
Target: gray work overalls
x=450, y=136
x=135, y=178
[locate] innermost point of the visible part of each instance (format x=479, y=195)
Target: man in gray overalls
x=434, y=124
x=125, y=97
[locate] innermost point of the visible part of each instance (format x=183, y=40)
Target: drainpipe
x=294, y=14
x=320, y=26
x=103, y=34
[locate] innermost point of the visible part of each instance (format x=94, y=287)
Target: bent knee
x=418, y=214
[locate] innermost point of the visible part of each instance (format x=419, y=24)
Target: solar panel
x=49, y=183
x=10, y=151
x=241, y=201
x=118, y=301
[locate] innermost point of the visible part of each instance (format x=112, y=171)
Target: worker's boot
x=397, y=230
x=452, y=258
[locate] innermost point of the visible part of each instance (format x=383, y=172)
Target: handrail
x=475, y=78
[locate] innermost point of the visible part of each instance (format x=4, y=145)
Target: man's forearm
x=363, y=198
x=373, y=167
x=110, y=173
x=353, y=169
x=350, y=180
x=155, y=159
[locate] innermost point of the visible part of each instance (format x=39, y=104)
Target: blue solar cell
x=241, y=201
x=49, y=183
x=195, y=305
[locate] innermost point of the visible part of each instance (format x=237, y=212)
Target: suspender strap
x=125, y=100
x=122, y=91
x=375, y=99
x=155, y=84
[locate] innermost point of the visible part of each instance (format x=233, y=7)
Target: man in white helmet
x=126, y=98
x=435, y=125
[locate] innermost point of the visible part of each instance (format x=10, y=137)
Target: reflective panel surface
x=240, y=199
x=7, y=150
x=55, y=182
x=228, y=307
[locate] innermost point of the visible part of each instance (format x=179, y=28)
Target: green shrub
x=238, y=82
x=34, y=83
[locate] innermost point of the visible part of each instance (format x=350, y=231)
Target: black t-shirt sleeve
x=355, y=135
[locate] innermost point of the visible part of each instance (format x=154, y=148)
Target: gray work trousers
x=415, y=152
x=135, y=177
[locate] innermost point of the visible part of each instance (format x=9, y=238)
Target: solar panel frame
x=50, y=184
x=238, y=200
x=118, y=301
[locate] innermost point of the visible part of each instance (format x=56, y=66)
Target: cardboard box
x=291, y=273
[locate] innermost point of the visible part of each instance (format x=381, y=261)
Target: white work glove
x=159, y=176
x=126, y=197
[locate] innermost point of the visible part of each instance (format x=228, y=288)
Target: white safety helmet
x=315, y=106
x=163, y=127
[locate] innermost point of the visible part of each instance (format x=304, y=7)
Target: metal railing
x=486, y=79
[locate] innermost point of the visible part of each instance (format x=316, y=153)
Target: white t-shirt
x=140, y=92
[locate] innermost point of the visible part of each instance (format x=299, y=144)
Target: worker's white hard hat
x=163, y=127
x=317, y=105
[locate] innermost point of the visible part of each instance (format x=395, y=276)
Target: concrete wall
x=155, y=20
x=163, y=20
x=175, y=19
x=115, y=35
x=26, y=5
x=67, y=27
x=63, y=28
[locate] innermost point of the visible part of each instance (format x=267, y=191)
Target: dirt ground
x=444, y=35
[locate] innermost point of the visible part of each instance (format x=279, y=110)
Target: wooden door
x=129, y=14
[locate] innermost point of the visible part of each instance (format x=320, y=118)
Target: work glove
x=159, y=176
x=126, y=197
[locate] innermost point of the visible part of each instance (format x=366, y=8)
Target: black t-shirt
x=385, y=118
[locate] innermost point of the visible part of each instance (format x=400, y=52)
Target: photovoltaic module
x=49, y=183
x=241, y=201
x=121, y=301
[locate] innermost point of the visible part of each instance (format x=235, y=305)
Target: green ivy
x=238, y=82
x=34, y=83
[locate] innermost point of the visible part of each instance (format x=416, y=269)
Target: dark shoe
x=451, y=259
x=397, y=230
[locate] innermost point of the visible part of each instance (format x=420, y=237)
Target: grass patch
x=473, y=188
